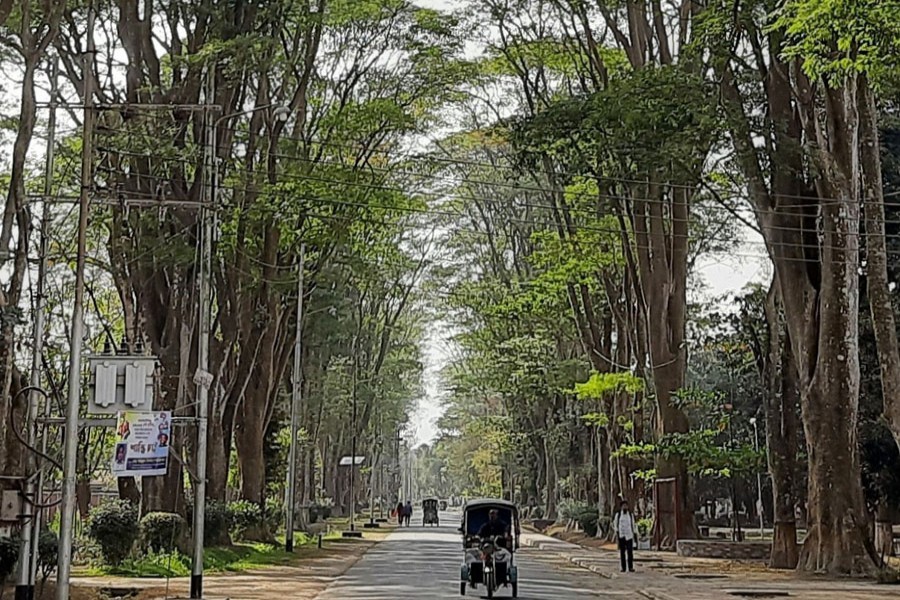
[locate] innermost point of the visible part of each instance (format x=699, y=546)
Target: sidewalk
x=666, y=576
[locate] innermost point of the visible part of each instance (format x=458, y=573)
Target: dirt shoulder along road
x=315, y=569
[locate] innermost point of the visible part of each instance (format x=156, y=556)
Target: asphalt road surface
x=423, y=563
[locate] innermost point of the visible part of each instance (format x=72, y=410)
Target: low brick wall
x=724, y=549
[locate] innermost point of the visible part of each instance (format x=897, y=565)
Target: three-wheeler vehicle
x=489, y=549
x=430, y=512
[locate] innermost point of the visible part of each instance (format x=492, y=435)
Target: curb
x=578, y=561
x=655, y=595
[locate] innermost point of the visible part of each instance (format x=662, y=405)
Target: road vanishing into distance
x=422, y=563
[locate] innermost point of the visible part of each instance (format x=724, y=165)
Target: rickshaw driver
x=495, y=526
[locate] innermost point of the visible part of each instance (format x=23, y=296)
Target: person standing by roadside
x=626, y=531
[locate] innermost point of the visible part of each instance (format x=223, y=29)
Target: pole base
x=381, y=520
x=351, y=534
x=24, y=592
x=197, y=586
x=289, y=544
x=371, y=525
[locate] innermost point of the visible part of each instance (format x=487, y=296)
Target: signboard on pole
x=142, y=443
x=346, y=461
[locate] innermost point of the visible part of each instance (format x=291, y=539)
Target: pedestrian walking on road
x=399, y=514
x=407, y=512
x=626, y=531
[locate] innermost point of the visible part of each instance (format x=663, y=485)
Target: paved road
x=418, y=563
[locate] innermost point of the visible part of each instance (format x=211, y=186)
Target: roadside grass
x=243, y=556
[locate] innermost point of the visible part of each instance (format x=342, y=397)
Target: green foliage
x=162, y=532
x=601, y=384
x=570, y=508
x=217, y=524
x=231, y=559
x=840, y=38
x=114, y=526
x=644, y=527
x=588, y=520
x=48, y=552
x=9, y=554
x=244, y=517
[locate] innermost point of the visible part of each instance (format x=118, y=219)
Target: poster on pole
x=142, y=443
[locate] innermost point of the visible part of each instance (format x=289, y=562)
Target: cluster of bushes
x=585, y=516
x=118, y=530
x=588, y=520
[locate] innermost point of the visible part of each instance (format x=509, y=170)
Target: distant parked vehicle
x=430, y=512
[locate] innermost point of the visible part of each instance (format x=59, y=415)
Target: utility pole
x=70, y=444
x=296, y=398
x=759, y=497
x=203, y=378
x=30, y=524
x=354, y=376
x=372, y=482
x=601, y=491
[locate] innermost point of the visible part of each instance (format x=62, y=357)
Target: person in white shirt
x=626, y=530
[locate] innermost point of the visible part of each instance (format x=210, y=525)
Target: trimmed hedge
x=162, y=531
x=246, y=519
x=115, y=527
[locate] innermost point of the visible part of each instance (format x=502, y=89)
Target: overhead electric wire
x=368, y=168
x=546, y=224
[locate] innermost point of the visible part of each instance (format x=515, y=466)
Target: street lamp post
x=296, y=398
x=203, y=378
x=759, y=498
x=72, y=413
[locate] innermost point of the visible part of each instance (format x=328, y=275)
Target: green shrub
x=571, y=509
x=9, y=554
x=588, y=521
x=274, y=515
x=245, y=518
x=115, y=527
x=216, y=523
x=605, y=525
x=162, y=531
x=48, y=551
x=537, y=512
x=644, y=527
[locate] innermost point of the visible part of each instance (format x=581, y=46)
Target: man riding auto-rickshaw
x=490, y=531
x=430, y=512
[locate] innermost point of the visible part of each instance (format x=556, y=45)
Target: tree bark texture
x=876, y=268
x=819, y=280
x=782, y=403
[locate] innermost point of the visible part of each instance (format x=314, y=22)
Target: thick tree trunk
x=217, y=460
x=678, y=524
x=781, y=404
x=128, y=490
x=249, y=436
x=814, y=245
x=878, y=286
x=838, y=540
x=552, y=482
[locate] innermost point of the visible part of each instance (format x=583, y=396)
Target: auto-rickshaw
x=430, y=512
x=489, y=562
